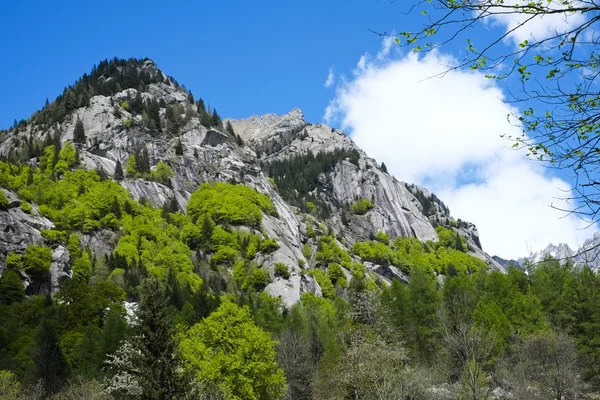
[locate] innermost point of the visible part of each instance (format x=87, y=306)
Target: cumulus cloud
x=330, y=78
x=444, y=134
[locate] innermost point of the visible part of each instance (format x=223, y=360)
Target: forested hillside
x=151, y=250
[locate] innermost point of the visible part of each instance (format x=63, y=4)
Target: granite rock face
x=210, y=155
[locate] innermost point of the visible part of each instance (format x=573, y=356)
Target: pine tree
x=206, y=120
x=119, y=171
x=155, y=343
x=200, y=107
x=79, y=133
x=383, y=167
x=229, y=129
x=143, y=162
x=50, y=365
x=215, y=119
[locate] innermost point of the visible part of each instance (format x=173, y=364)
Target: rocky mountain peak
x=314, y=174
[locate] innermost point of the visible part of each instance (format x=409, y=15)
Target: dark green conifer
x=79, y=133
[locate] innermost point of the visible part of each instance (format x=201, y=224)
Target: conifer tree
x=383, y=167
x=215, y=118
x=119, y=171
x=79, y=133
x=206, y=120
x=229, y=129
x=155, y=343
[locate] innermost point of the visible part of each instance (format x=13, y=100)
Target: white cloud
x=537, y=28
x=444, y=133
x=330, y=78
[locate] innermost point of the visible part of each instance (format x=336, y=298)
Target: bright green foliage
x=10, y=388
x=227, y=203
x=14, y=261
x=357, y=269
x=329, y=252
x=163, y=173
x=191, y=235
x=423, y=303
x=336, y=275
x=229, y=350
x=307, y=251
x=11, y=287
x=131, y=166
x=225, y=255
x=282, y=270
x=48, y=159
x=382, y=237
x=82, y=267
x=3, y=201
x=67, y=158
x=310, y=206
x=260, y=278
x=450, y=239
x=362, y=206
x=375, y=251
x=324, y=282
x=407, y=253
x=74, y=245
x=489, y=317
x=26, y=207
x=268, y=245
x=220, y=237
x=249, y=277
x=37, y=259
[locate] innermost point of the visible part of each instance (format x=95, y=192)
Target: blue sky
x=243, y=57
x=248, y=58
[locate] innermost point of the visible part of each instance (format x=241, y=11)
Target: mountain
x=127, y=115
x=587, y=254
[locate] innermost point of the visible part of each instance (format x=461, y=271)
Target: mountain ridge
x=161, y=122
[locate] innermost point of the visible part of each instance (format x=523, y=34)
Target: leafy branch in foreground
x=556, y=72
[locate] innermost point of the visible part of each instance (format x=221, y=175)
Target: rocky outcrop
x=209, y=155
x=19, y=229
x=59, y=269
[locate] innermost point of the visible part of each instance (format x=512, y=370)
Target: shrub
x=225, y=255
x=307, y=251
x=323, y=280
x=336, y=275
x=3, y=201
x=14, y=261
x=362, y=206
x=227, y=203
x=37, y=259
x=282, y=270
x=260, y=278
x=125, y=105
x=127, y=123
x=382, y=237
x=53, y=235
x=268, y=246
x=26, y=207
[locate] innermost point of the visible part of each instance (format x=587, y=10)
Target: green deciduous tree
x=11, y=288
x=228, y=349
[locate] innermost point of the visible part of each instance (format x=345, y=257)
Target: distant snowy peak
x=588, y=254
